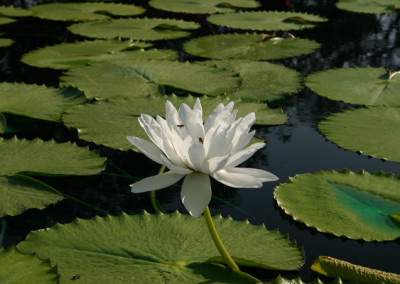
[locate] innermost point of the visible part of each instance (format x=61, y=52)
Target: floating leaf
x=5, y=42
x=354, y=205
x=367, y=86
x=109, y=122
x=248, y=46
x=5, y=20
x=38, y=102
x=11, y=11
x=25, y=268
x=203, y=6
x=261, y=80
x=47, y=158
x=140, y=29
x=369, y=6
x=71, y=55
x=83, y=11
x=158, y=248
x=332, y=267
x=372, y=131
x=266, y=20
x=143, y=77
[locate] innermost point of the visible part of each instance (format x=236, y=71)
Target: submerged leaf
x=139, y=29
x=369, y=6
x=367, y=86
x=159, y=248
x=248, y=46
x=372, y=131
x=354, y=205
x=266, y=20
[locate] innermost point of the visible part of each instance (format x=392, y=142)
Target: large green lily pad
x=203, y=6
x=11, y=11
x=248, y=46
x=367, y=86
x=70, y=55
x=158, y=248
x=354, y=205
x=261, y=80
x=47, y=158
x=83, y=11
x=143, y=77
x=109, y=122
x=36, y=101
x=372, y=131
x=266, y=20
x=139, y=29
x=369, y=6
x=21, y=268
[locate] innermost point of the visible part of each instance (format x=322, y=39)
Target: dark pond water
x=348, y=39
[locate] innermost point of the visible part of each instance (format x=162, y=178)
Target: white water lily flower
x=191, y=149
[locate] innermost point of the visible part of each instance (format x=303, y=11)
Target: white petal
x=217, y=143
x=196, y=193
x=175, y=168
x=241, y=131
x=192, y=119
x=196, y=155
x=156, y=182
x=214, y=164
x=238, y=180
x=261, y=175
x=243, y=155
x=147, y=148
x=152, y=128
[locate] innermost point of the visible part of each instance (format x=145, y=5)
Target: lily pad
x=143, y=77
x=5, y=20
x=158, y=248
x=5, y=42
x=203, y=6
x=369, y=6
x=266, y=20
x=19, y=193
x=36, y=101
x=84, y=11
x=11, y=11
x=40, y=157
x=20, y=268
x=261, y=81
x=367, y=86
x=109, y=122
x=70, y=55
x=248, y=46
x=372, y=131
x=354, y=205
x=139, y=29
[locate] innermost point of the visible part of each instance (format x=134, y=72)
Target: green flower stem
x=153, y=194
x=217, y=241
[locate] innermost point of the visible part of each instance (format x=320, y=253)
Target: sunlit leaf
x=367, y=86
x=20, y=268
x=261, y=80
x=36, y=101
x=354, y=205
x=142, y=77
x=5, y=20
x=5, y=42
x=109, y=122
x=332, y=267
x=248, y=46
x=83, y=11
x=47, y=158
x=266, y=20
x=369, y=6
x=159, y=248
x=11, y=11
x=139, y=29
x=203, y=6
x=71, y=55
x=372, y=131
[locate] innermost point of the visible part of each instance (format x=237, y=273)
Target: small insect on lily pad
x=372, y=131
x=139, y=29
x=354, y=205
x=266, y=21
x=367, y=86
x=17, y=267
x=248, y=46
x=203, y=6
x=370, y=6
x=160, y=248
x=11, y=11
x=84, y=11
